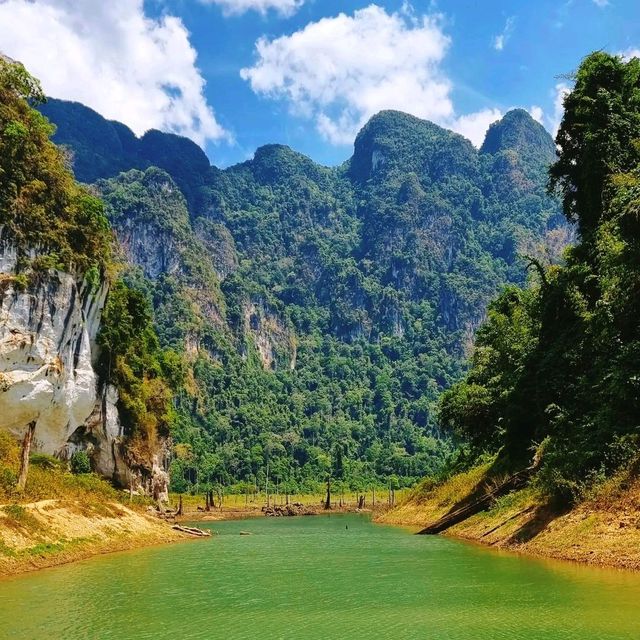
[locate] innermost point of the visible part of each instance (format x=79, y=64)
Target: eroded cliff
x=48, y=355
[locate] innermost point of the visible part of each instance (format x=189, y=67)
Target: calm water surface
x=337, y=577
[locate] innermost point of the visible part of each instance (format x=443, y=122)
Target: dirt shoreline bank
x=238, y=513
x=49, y=533
x=602, y=531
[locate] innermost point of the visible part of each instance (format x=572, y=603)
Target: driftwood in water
x=193, y=531
x=482, y=503
x=295, y=509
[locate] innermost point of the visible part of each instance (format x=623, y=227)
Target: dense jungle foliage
x=557, y=367
x=319, y=312
x=41, y=205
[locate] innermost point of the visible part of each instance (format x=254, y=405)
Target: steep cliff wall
x=48, y=354
x=46, y=337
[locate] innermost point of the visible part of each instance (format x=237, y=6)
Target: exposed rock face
x=272, y=339
x=154, y=250
x=48, y=376
x=46, y=370
x=104, y=437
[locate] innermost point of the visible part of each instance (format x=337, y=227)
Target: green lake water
x=336, y=577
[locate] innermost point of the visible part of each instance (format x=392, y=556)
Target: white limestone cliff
x=46, y=368
x=48, y=376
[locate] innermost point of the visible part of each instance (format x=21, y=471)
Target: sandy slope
x=51, y=532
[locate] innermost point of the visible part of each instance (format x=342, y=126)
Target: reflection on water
x=327, y=577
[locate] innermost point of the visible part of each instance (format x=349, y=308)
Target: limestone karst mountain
x=318, y=311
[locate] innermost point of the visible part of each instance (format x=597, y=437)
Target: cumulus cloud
x=113, y=58
x=537, y=113
x=237, y=7
x=628, y=54
x=474, y=126
x=501, y=39
x=553, y=122
x=341, y=70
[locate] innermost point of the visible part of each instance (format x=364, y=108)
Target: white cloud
x=113, y=58
x=501, y=39
x=601, y=3
x=536, y=113
x=553, y=122
x=237, y=7
x=474, y=126
x=341, y=70
x=628, y=54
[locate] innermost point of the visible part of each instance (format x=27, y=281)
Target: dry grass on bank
x=52, y=532
x=61, y=517
x=604, y=529
x=430, y=500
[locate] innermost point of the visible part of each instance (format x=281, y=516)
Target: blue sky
x=322, y=68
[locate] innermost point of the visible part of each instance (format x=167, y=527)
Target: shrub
x=80, y=463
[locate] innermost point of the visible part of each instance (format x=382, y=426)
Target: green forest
x=314, y=315
x=316, y=322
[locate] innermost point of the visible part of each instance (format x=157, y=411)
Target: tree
x=41, y=205
x=596, y=137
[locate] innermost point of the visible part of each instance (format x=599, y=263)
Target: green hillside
x=320, y=312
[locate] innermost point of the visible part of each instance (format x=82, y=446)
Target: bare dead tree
x=24, y=458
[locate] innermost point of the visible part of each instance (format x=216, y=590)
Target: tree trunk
x=24, y=459
x=207, y=504
x=266, y=484
x=327, y=502
x=179, y=512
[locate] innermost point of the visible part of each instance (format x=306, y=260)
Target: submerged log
x=193, y=531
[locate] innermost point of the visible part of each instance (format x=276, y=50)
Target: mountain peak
x=272, y=150
x=393, y=139
x=518, y=131
x=278, y=162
